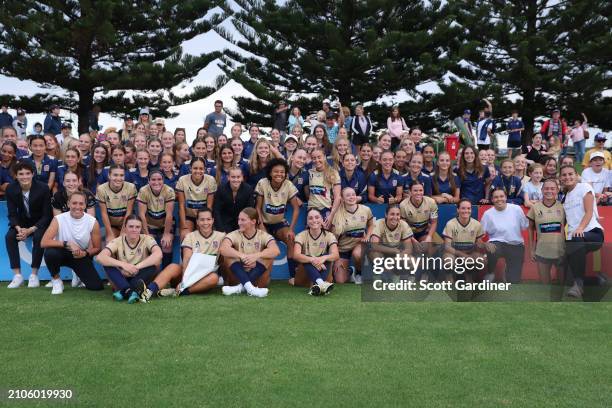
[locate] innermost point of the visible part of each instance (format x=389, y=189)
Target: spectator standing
x=395, y=126
x=485, y=127
x=215, y=122
x=5, y=118
x=21, y=123
x=579, y=134
x=361, y=127
x=295, y=118
x=93, y=117
x=555, y=127
x=516, y=128
x=53, y=123
x=281, y=118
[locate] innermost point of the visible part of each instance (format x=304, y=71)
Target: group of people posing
x=236, y=199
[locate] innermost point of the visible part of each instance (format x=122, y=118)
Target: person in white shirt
x=598, y=177
x=584, y=232
x=72, y=240
x=504, y=224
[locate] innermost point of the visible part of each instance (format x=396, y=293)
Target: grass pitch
x=294, y=350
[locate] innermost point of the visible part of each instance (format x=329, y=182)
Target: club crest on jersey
x=256, y=245
x=321, y=244
x=394, y=183
x=46, y=167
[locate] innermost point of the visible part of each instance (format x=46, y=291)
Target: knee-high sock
x=250, y=276
x=115, y=275
x=313, y=273
x=292, y=264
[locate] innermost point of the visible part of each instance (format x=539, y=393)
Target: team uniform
x=171, y=180
x=350, y=228
x=116, y=201
x=463, y=237
x=59, y=201
x=383, y=186
x=300, y=181
x=61, y=172
x=43, y=171
x=134, y=177
x=419, y=217
x=275, y=203
x=357, y=182
x=550, y=247
x=421, y=178
x=444, y=186
x=5, y=175
x=392, y=236
x=200, y=244
x=196, y=195
x=316, y=246
x=156, y=205
x=512, y=186
x=256, y=243
x=320, y=191
x=473, y=185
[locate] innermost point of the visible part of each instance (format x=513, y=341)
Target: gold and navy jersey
x=275, y=201
x=257, y=243
x=463, y=237
x=116, y=201
x=196, y=195
x=316, y=246
x=156, y=204
x=392, y=236
x=549, y=223
x=200, y=244
x=350, y=227
x=122, y=251
x=419, y=217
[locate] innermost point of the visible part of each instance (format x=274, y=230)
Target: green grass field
x=294, y=350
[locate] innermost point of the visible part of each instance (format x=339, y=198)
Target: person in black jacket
x=361, y=127
x=29, y=213
x=53, y=123
x=231, y=198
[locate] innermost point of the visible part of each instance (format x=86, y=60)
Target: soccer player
x=463, y=238
x=194, y=192
x=385, y=185
x=547, y=226
x=324, y=187
x=130, y=258
x=352, y=225
x=156, y=207
x=116, y=200
x=204, y=240
x=248, y=254
x=273, y=194
x=391, y=235
x=315, y=249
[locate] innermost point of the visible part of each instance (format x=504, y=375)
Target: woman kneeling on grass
x=248, y=254
x=204, y=240
x=131, y=260
x=352, y=225
x=463, y=238
x=315, y=249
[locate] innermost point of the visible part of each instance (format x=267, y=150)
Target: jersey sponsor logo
x=156, y=215
x=275, y=209
x=195, y=204
x=116, y=212
x=550, y=227
x=318, y=190
x=355, y=233
x=463, y=246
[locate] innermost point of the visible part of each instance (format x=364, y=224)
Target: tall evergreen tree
x=86, y=47
x=357, y=50
x=548, y=53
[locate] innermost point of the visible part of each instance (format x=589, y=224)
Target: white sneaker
x=76, y=281
x=167, y=292
x=326, y=287
x=58, y=287
x=49, y=284
x=232, y=290
x=16, y=282
x=33, y=281
x=257, y=292
x=220, y=282
x=357, y=279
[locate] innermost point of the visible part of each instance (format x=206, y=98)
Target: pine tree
x=87, y=47
x=542, y=51
x=355, y=50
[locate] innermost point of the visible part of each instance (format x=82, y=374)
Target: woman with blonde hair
x=324, y=187
x=340, y=149
x=261, y=155
x=295, y=119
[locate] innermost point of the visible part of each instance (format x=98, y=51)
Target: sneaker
x=133, y=297
x=257, y=292
x=220, y=282
x=575, y=291
x=326, y=287
x=351, y=269
x=16, y=282
x=58, y=287
x=118, y=296
x=167, y=292
x=358, y=280
x=49, y=284
x=76, y=281
x=33, y=281
x=291, y=281
x=315, y=290
x=145, y=296
x=232, y=290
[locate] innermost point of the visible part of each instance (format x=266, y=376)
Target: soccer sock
x=153, y=287
x=313, y=273
x=256, y=272
x=184, y=292
x=292, y=264
x=319, y=281
x=239, y=272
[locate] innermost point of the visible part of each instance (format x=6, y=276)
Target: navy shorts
x=274, y=228
x=346, y=255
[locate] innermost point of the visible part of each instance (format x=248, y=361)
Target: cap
x=128, y=117
x=66, y=125
x=159, y=121
x=291, y=137
x=144, y=111
x=331, y=115
x=556, y=110
x=600, y=136
x=326, y=101
x=467, y=112
x=597, y=154
x=54, y=106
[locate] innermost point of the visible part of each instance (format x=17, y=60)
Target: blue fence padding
x=279, y=270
